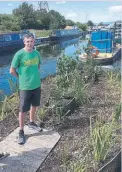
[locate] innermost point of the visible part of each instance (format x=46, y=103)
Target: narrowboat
x=65, y=34
x=14, y=40
x=11, y=41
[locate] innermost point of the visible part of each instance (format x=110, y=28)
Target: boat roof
x=11, y=33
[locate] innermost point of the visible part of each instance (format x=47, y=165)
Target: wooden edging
x=116, y=161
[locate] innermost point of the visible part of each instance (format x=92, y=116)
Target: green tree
x=43, y=19
x=90, y=23
x=26, y=15
x=9, y=22
x=81, y=26
x=101, y=24
x=57, y=21
x=70, y=23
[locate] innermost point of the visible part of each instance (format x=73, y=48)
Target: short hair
x=28, y=35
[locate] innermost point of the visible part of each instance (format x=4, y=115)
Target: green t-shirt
x=27, y=65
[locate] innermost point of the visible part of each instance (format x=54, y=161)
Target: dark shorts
x=28, y=98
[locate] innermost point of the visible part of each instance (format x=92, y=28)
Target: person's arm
x=14, y=65
x=13, y=72
x=39, y=60
x=39, y=66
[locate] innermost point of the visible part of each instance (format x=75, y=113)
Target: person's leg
x=21, y=120
x=25, y=101
x=32, y=124
x=21, y=139
x=35, y=103
x=33, y=113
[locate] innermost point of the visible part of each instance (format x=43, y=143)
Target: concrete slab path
x=27, y=157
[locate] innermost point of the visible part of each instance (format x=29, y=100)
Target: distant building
x=116, y=29
x=71, y=27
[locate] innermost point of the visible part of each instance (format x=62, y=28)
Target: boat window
x=8, y=38
x=1, y=38
x=21, y=36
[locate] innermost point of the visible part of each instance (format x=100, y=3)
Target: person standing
x=25, y=66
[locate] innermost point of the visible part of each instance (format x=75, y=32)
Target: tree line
x=26, y=17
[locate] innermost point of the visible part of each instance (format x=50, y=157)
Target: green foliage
x=26, y=15
x=77, y=167
x=117, y=113
x=41, y=33
x=65, y=66
x=101, y=24
x=90, y=23
x=79, y=87
x=89, y=68
x=9, y=106
x=57, y=21
x=114, y=77
x=9, y=22
x=81, y=26
x=41, y=113
x=70, y=23
x=14, y=87
x=101, y=139
x=43, y=19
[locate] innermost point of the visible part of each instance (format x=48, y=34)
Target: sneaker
x=34, y=126
x=21, y=138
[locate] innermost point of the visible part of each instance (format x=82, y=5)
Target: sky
x=78, y=11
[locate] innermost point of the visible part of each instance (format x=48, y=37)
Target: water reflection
x=54, y=49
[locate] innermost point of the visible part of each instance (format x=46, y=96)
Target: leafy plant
x=78, y=87
x=117, y=113
x=9, y=105
x=41, y=113
x=13, y=84
x=78, y=166
x=101, y=139
x=114, y=77
x=65, y=66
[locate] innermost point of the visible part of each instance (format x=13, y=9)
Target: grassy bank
x=39, y=33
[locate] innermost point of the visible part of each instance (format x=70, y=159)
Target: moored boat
x=103, y=58
x=14, y=40
x=11, y=41
x=58, y=35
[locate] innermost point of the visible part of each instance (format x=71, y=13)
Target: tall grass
x=79, y=88
x=78, y=166
x=9, y=104
x=41, y=33
x=101, y=138
x=114, y=78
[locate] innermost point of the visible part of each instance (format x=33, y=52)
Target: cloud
x=71, y=14
x=60, y=2
x=115, y=9
x=10, y=5
x=105, y=18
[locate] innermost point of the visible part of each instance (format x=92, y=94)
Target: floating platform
x=104, y=58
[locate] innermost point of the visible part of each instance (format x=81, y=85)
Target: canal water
x=50, y=52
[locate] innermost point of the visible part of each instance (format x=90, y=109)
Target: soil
x=75, y=127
